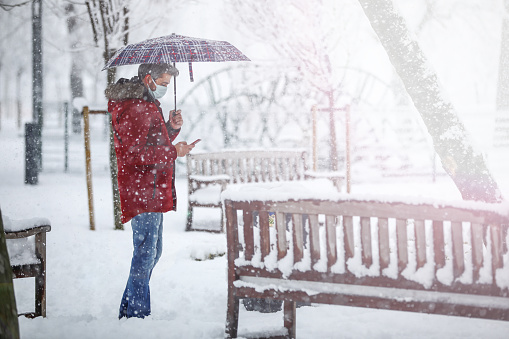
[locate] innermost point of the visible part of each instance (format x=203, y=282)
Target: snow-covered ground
x=87, y=270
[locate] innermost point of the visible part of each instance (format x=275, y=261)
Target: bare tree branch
x=7, y=7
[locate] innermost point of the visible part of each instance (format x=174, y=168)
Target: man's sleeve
x=172, y=133
x=140, y=152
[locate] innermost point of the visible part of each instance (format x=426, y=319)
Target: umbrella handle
x=175, y=90
x=191, y=77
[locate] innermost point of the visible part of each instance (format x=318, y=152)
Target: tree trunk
x=102, y=18
x=9, y=327
x=503, y=71
x=76, y=78
x=464, y=165
x=111, y=74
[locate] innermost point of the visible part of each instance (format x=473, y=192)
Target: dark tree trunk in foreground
x=9, y=327
x=464, y=165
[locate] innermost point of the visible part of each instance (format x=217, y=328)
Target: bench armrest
x=197, y=182
x=27, y=232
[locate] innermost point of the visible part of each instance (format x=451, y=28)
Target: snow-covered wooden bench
x=210, y=173
x=365, y=251
x=26, y=244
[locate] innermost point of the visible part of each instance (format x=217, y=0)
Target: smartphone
x=196, y=141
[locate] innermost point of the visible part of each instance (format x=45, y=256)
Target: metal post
x=37, y=61
x=66, y=136
x=32, y=139
x=88, y=166
x=37, y=81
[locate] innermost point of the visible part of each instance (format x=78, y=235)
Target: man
x=146, y=178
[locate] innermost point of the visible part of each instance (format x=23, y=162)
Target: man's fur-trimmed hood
x=126, y=89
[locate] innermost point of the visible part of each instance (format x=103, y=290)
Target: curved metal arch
x=227, y=99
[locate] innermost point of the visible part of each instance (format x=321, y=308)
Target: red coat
x=145, y=154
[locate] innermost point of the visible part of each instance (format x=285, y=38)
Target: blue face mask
x=159, y=92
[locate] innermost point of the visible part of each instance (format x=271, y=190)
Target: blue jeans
x=148, y=246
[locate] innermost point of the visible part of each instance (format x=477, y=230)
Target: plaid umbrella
x=175, y=48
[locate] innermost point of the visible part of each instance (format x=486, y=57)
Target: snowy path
x=87, y=271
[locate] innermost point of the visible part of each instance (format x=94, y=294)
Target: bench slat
x=367, y=253
x=298, y=242
x=203, y=167
x=214, y=167
x=383, y=241
x=497, y=248
x=477, y=252
x=277, y=169
x=264, y=233
x=402, y=241
x=438, y=245
x=314, y=238
x=242, y=170
x=458, y=263
x=248, y=235
x=264, y=170
x=281, y=235
x=258, y=170
x=330, y=231
x=349, y=240
x=287, y=169
x=234, y=165
x=420, y=242
x=272, y=169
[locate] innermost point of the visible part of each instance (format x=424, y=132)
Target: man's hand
x=183, y=148
x=175, y=119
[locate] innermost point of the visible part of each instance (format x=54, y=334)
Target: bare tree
x=303, y=33
x=110, y=25
x=503, y=71
x=464, y=165
x=76, y=63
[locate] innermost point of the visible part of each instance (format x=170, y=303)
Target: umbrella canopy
x=175, y=48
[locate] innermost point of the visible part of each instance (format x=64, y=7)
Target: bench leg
x=290, y=318
x=189, y=224
x=232, y=316
x=222, y=220
x=40, y=294
x=40, y=278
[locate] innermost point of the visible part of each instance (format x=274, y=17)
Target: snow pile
x=23, y=224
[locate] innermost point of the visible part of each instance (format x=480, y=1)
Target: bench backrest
x=401, y=245
x=243, y=166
